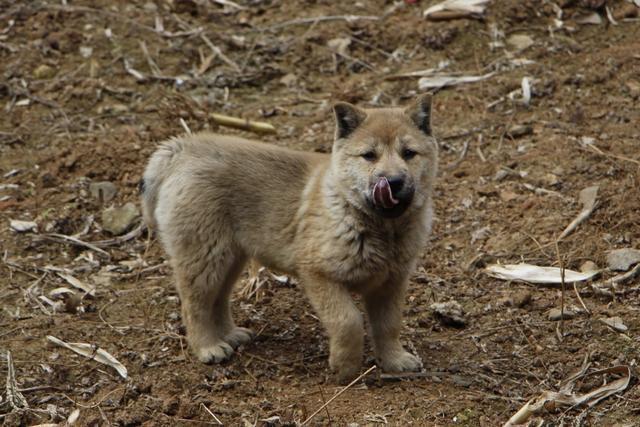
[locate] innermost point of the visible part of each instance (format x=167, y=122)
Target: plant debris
x=93, y=353
x=535, y=274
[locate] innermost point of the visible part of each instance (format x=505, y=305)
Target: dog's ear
x=420, y=113
x=348, y=118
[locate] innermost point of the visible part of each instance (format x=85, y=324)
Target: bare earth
x=509, y=184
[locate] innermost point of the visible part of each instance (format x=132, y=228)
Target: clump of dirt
x=89, y=88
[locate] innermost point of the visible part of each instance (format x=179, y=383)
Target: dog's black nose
x=396, y=183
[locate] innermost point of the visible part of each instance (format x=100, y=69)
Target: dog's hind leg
x=204, y=282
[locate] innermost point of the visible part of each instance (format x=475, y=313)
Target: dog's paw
x=239, y=336
x=214, y=353
x=400, y=361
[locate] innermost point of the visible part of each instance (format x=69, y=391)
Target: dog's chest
x=360, y=257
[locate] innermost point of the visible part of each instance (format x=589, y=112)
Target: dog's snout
x=396, y=183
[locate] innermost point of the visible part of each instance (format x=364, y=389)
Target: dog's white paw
x=239, y=336
x=400, y=361
x=214, y=353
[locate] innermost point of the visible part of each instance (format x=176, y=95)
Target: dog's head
x=385, y=160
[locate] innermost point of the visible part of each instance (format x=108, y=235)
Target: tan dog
x=353, y=221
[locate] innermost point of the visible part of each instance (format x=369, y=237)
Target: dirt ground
x=75, y=114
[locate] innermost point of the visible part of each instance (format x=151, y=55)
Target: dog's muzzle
x=390, y=197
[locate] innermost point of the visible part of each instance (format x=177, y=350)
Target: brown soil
x=72, y=117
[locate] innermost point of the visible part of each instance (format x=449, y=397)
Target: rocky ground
x=88, y=88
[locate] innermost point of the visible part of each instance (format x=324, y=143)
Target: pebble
x=103, y=190
x=449, y=313
x=118, y=220
x=555, y=314
x=44, y=71
x=622, y=259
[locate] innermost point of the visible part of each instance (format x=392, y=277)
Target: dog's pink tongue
x=382, y=195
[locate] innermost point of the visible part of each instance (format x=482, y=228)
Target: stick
x=211, y=413
x=61, y=238
x=121, y=239
x=348, y=18
x=216, y=50
x=335, y=396
x=561, y=324
x=244, y=124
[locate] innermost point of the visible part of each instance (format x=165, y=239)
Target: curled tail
x=158, y=169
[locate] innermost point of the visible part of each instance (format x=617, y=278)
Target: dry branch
x=244, y=124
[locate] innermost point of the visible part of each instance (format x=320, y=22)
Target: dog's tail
x=158, y=169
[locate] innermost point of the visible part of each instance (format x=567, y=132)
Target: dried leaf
x=76, y=283
x=92, y=352
x=588, y=199
x=73, y=417
x=443, y=80
x=615, y=323
x=468, y=7
x=550, y=399
x=535, y=274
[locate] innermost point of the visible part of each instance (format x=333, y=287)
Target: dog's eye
x=408, y=154
x=369, y=156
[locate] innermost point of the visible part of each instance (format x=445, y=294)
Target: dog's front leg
x=342, y=321
x=384, y=307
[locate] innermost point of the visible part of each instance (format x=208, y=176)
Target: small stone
x=44, y=71
x=615, y=323
x=555, y=314
x=23, y=226
x=48, y=180
x=86, y=51
x=150, y=7
x=520, y=41
x=522, y=299
x=449, y=313
x=339, y=45
x=517, y=131
x=633, y=87
x=462, y=381
x=103, y=190
x=118, y=220
x=508, y=196
x=551, y=180
x=113, y=109
x=623, y=259
x=289, y=80
x=588, y=266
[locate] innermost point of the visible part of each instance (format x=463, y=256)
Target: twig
x=459, y=160
x=613, y=156
x=61, y=238
x=16, y=400
x=121, y=239
x=335, y=396
x=185, y=126
x=301, y=21
x=152, y=64
x=561, y=324
x=135, y=73
x=588, y=199
x=244, y=124
x=216, y=50
x=211, y=413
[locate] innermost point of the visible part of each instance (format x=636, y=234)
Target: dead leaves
x=92, y=352
x=566, y=398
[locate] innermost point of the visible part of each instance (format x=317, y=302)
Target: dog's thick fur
x=217, y=201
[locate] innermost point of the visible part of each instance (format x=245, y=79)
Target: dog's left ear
x=420, y=113
x=348, y=118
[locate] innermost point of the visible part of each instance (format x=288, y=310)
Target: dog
x=354, y=221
